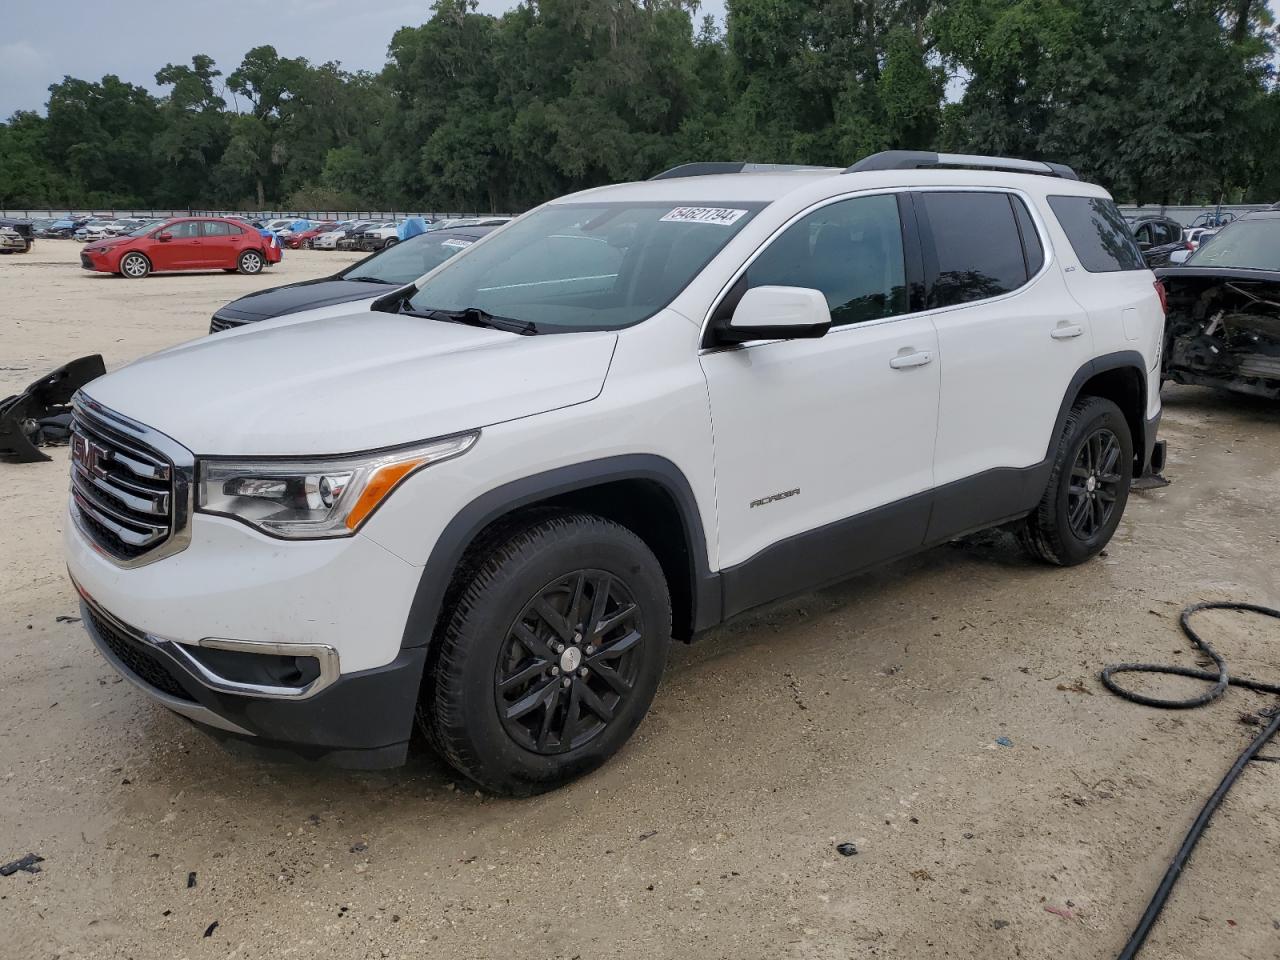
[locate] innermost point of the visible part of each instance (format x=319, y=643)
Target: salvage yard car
x=16, y=236
x=1158, y=238
x=1223, y=324
x=366, y=281
x=189, y=243
x=490, y=502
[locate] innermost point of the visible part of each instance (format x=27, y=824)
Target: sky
x=42, y=41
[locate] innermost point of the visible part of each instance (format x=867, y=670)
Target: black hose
x=1221, y=680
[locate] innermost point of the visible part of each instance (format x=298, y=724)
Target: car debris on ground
x=40, y=416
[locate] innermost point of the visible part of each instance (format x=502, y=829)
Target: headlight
x=305, y=499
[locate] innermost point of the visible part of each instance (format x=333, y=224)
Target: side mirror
x=1179, y=256
x=777, y=313
x=164, y=237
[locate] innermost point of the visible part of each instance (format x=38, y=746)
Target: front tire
x=134, y=266
x=250, y=262
x=1088, y=486
x=390, y=242
x=551, y=655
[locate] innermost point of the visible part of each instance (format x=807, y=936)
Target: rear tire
x=391, y=242
x=251, y=262
x=135, y=266
x=1088, y=486
x=550, y=656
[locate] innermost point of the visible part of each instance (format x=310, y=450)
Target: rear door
x=1011, y=339
x=220, y=244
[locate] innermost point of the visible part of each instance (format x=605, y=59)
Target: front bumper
x=361, y=720
x=14, y=241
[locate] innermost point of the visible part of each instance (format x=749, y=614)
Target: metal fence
x=118, y=212
x=1186, y=215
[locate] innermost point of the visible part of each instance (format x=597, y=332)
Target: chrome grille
x=224, y=323
x=128, y=495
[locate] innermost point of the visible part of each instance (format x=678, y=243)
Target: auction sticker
x=721, y=216
x=457, y=244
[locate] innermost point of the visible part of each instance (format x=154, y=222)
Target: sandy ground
x=865, y=713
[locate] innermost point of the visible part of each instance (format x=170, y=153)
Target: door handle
x=1067, y=331
x=905, y=360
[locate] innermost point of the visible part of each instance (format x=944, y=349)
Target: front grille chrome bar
x=131, y=486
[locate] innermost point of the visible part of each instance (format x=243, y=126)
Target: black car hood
x=278, y=301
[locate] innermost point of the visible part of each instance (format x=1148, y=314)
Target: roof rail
x=710, y=168
x=916, y=159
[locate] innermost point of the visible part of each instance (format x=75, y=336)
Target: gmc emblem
x=91, y=456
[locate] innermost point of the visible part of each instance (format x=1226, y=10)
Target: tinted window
x=1098, y=234
x=216, y=229
x=850, y=250
x=185, y=230
x=977, y=248
x=1032, y=248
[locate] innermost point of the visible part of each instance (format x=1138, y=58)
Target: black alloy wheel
x=1094, y=487
x=550, y=654
x=568, y=662
x=1087, y=488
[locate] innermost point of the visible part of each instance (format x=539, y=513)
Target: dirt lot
x=866, y=713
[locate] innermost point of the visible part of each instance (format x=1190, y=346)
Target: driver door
x=824, y=447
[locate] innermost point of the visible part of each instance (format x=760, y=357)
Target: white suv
x=628, y=415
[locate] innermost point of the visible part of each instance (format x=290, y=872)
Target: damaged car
x=1222, y=326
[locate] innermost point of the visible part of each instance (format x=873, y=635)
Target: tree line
x=1159, y=100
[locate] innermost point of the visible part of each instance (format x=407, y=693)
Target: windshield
x=406, y=262
x=1247, y=244
x=587, y=266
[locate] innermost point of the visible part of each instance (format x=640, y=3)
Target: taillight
x=1164, y=297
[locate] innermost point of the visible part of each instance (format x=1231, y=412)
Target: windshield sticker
x=456, y=244
x=721, y=216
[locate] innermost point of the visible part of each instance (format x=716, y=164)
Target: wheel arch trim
x=1120, y=360
x=460, y=532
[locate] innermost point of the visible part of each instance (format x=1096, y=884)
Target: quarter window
x=215, y=228
x=977, y=249
x=850, y=250
x=1098, y=234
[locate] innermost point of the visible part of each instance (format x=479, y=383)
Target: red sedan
x=297, y=241
x=190, y=243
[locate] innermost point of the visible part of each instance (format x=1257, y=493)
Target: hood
x=293, y=297
x=352, y=382
x=110, y=242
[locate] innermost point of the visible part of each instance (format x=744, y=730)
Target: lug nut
x=577, y=638
x=566, y=681
x=555, y=671
x=590, y=650
x=583, y=673
x=558, y=647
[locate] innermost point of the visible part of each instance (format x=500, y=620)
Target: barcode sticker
x=721, y=216
x=457, y=244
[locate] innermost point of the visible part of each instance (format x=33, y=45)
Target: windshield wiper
x=475, y=317
x=369, y=280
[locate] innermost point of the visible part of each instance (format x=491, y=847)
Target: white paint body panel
x=828, y=416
